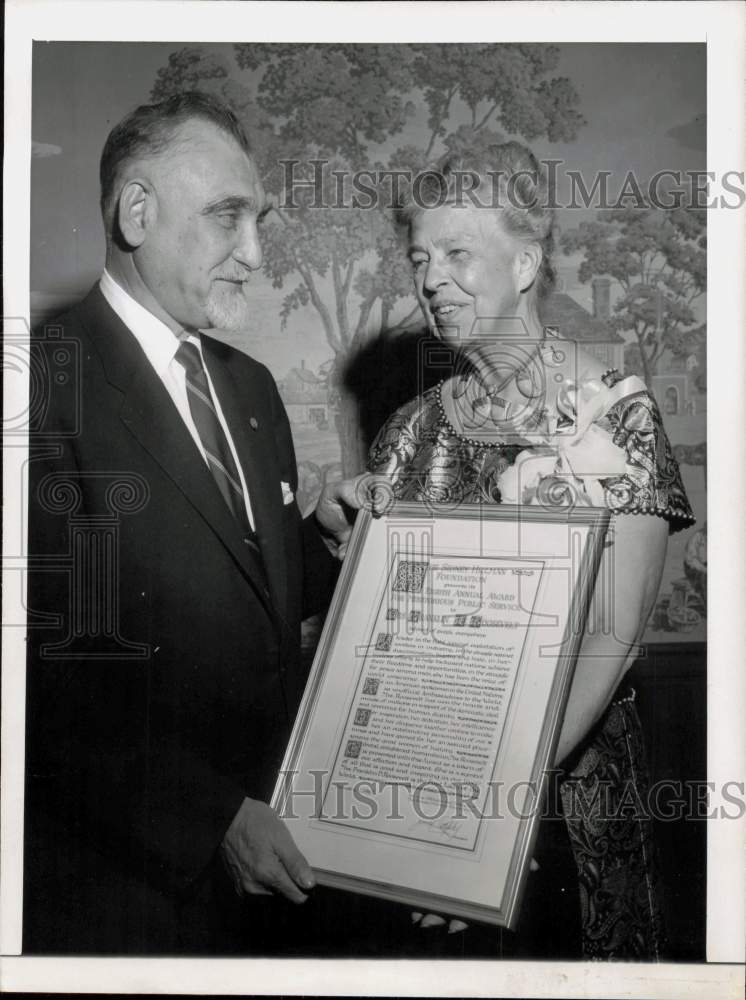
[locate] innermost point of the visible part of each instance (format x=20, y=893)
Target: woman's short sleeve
x=652, y=483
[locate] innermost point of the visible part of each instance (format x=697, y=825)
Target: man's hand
x=261, y=856
x=338, y=503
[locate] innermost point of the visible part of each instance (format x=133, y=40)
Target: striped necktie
x=211, y=434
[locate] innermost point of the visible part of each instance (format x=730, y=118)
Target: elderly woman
x=531, y=419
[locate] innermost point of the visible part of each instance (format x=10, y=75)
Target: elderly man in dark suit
x=169, y=573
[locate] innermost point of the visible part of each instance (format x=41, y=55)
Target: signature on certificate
x=448, y=829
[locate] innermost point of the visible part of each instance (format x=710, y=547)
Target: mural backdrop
x=334, y=317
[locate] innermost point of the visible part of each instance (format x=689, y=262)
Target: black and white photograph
x=272, y=270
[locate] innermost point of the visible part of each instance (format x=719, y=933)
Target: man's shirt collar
x=159, y=343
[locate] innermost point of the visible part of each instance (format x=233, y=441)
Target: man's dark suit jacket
x=177, y=671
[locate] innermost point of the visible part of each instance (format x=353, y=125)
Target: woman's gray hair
x=505, y=176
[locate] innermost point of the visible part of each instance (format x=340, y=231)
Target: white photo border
x=722, y=25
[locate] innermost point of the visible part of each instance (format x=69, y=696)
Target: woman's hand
x=433, y=920
x=454, y=926
x=340, y=501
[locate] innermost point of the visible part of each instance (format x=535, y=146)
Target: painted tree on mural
x=658, y=259
x=341, y=103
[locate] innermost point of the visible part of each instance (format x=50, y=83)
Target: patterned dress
x=600, y=793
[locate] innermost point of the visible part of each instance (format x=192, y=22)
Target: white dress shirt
x=160, y=345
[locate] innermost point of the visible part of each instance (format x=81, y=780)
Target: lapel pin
x=254, y=424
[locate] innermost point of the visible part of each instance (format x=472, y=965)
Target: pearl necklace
x=462, y=437
x=530, y=384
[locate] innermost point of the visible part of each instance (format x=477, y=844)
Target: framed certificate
x=418, y=759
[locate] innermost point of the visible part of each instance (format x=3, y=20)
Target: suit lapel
x=247, y=411
x=150, y=415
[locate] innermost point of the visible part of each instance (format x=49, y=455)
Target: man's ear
x=135, y=211
x=528, y=263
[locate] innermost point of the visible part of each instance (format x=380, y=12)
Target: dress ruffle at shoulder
x=601, y=442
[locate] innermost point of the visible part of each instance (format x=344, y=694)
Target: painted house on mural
x=675, y=384
x=592, y=330
x=306, y=397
